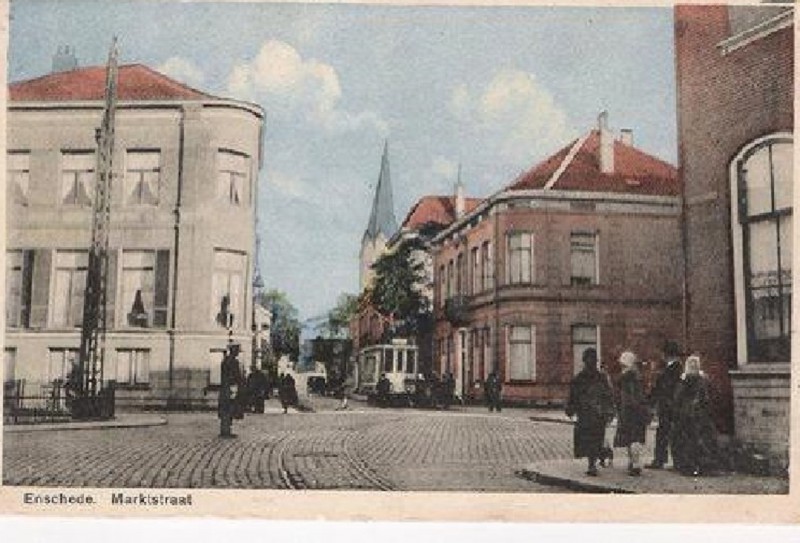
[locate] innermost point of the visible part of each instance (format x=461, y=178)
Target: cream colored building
x=182, y=232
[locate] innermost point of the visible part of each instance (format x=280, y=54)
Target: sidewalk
x=571, y=474
x=128, y=420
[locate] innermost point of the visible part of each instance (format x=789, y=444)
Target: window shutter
x=27, y=283
x=40, y=291
x=533, y=260
x=532, y=362
x=508, y=260
x=162, y=288
x=111, y=289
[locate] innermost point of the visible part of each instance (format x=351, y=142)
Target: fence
x=28, y=403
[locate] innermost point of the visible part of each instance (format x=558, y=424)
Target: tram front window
x=411, y=366
x=388, y=361
x=400, y=358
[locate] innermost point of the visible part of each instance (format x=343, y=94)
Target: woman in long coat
x=633, y=413
x=694, y=437
x=591, y=400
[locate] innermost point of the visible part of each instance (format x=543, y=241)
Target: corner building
x=181, y=237
x=583, y=250
x=735, y=75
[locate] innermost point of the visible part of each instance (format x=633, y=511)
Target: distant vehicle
x=316, y=385
x=398, y=361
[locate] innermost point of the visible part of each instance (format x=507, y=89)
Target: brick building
x=583, y=250
x=181, y=239
x=735, y=122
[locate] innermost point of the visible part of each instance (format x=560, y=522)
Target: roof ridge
x=576, y=147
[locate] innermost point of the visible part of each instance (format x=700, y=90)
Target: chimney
x=64, y=60
x=626, y=136
x=459, y=196
x=606, y=148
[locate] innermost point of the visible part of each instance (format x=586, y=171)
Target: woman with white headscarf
x=633, y=413
x=694, y=437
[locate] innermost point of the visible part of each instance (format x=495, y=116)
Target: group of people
x=680, y=397
x=238, y=395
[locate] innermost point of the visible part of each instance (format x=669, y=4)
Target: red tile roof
x=135, y=82
x=439, y=210
x=635, y=172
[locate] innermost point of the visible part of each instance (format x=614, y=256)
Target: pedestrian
x=382, y=388
x=257, y=389
x=633, y=413
x=694, y=437
x=230, y=383
x=662, y=398
x=493, y=390
x=343, y=393
x=592, y=401
x=287, y=392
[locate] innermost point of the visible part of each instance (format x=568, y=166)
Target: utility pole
x=87, y=401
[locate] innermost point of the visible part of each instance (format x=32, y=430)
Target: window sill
x=520, y=382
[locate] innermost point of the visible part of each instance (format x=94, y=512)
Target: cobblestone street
x=358, y=449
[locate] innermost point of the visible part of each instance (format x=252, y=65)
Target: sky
x=495, y=90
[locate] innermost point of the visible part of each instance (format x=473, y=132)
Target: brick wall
x=725, y=102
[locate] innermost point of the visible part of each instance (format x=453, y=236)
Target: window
x=19, y=267
x=460, y=286
x=133, y=366
x=488, y=366
x=19, y=176
x=61, y=363
x=450, y=280
x=9, y=365
x=475, y=354
x=442, y=286
x=388, y=360
x=411, y=361
x=70, y=271
x=77, y=177
x=476, y=270
x=521, y=353
x=763, y=249
x=583, y=258
x=520, y=257
x=488, y=267
x=228, y=289
x=138, y=287
x=142, y=175
x=232, y=176
x=583, y=337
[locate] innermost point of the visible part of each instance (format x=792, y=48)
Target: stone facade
x=176, y=253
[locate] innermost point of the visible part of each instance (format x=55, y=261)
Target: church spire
x=382, y=219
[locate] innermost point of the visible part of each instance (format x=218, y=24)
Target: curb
x=537, y=418
x=571, y=484
x=72, y=426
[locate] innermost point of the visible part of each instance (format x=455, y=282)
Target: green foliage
x=285, y=332
x=398, y=289
x=339, y=317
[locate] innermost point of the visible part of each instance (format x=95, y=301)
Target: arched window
x=762, y=232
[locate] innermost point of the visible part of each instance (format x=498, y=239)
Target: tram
x=398, y=360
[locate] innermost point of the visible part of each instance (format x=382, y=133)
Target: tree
x=398, y=290
x=285, y=331
x=339, y=317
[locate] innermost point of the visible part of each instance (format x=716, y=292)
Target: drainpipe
x=177, y=232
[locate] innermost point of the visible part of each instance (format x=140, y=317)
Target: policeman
x=230, y=377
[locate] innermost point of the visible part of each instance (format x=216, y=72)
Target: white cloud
x=183, y=70
x=286, y=83
x=514, y=115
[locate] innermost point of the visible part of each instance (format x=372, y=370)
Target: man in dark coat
x=287, y=392
x=591, y=400
x=230, y=377
x=493, y=390
x=382, y=388
x=662, y=397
